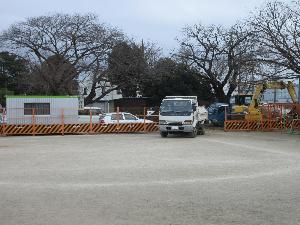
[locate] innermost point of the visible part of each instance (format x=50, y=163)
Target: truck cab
x=181, y=114
x=216, y=113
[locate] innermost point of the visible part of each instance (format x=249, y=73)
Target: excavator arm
x=291, y=89
x=253, y=110
x=260, y=89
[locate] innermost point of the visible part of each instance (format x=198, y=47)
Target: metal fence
x=32, y=121
x=278, y=116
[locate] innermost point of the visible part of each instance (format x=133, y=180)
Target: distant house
x=107, y=102
x=133, y=105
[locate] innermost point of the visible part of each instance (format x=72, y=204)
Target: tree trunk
x=89, y=99
x=220, y=95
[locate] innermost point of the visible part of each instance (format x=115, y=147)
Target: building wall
x=67, y=106
x=106, y=106
x=106, y=85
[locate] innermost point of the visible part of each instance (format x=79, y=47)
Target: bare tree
x=79, y=39
x=277, y=31
x=129, y=65
x=56, y=76
x=221, y=56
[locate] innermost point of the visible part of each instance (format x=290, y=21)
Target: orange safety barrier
x=295, y=125
x=30, y=129
x=36, y=128
x=274, y=117
x=266, y=125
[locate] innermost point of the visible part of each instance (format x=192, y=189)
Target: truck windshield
x=176, y=108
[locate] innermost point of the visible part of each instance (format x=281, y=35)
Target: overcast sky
x=159, y=21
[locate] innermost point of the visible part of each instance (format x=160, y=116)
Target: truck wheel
x=193, y=134
x=163, y=134
x=201, y=130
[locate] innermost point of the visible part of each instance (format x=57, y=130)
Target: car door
x=114, y=118
x=129, y=118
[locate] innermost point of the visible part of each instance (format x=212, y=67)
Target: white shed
x=41, y=109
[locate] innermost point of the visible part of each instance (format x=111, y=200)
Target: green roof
x=40, y=96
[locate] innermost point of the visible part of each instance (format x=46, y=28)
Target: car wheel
x=163, y=134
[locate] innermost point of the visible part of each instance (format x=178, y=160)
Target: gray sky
x=159, y=21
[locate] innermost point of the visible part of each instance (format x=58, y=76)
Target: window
x=221, y=109
x=212, y=110
x=248, y=100
x=39, y=108
x=176, y=108
x=115, y=116
x=129, y=117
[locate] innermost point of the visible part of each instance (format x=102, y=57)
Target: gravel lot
x=135, y=179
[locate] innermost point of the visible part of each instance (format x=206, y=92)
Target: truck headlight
x=187, y=122
x=163, y=122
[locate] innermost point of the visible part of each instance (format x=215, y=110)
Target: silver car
x=124, y=117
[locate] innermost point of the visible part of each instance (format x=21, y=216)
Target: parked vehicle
x=88, y=112
x=181, y=114
x=2, y=117
x=216, y=113
x=253, y=110
x=121, y=117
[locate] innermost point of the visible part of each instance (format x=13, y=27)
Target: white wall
x=58, y=105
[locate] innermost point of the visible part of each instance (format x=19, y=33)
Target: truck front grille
x=175, y=124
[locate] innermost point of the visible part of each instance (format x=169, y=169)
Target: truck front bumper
x=176, y=129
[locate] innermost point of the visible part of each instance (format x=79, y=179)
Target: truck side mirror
x=194, y=107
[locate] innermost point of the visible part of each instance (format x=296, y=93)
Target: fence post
x=262, y=120
x=3, y=129
x=62, y=123
x=225, y=119
x=248, y=125
x=3, y=123
x=91, y=122
x=281, y=122
x=269, y=115
x=145, y=129
x=33, y=121
x=118, y=119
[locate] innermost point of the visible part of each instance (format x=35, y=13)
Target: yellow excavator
x=253, y=112
x=240, y=103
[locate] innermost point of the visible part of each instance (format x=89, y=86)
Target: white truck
x=181, y=114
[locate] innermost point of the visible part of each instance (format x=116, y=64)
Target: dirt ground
x=142, y=179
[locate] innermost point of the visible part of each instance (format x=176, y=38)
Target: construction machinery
x=254, y=112
x=240, y=102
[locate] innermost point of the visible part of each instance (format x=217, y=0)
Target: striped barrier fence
x=30, y=129
x=262, y=125
x=61, y=121
x=274, y=116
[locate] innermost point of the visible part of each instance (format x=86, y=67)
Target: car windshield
x=176, y=107
x=129, y=117
x=211, y=110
